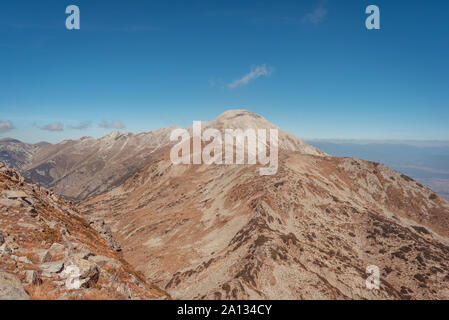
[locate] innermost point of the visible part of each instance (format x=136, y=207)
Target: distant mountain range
x=77, y=169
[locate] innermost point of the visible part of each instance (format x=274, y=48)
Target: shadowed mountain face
x=16, y=154
x=80, y=168
x=309, y=231
x=77, y=169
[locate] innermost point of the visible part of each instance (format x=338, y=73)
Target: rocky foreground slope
x=308, y=232
x=42, y=239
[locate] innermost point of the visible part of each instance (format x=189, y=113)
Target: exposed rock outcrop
x=11, y=288
x=99, y=225
x=49, y=251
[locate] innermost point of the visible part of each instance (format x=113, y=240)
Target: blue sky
x=311, y=67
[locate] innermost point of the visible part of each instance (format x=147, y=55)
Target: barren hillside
x=42, y=237
x=310, y=231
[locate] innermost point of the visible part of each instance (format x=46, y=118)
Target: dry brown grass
x=42, y=291
x=50, y=235
x=78, y=232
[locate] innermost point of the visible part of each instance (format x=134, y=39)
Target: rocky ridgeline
x=50, y=251
x=117, y=156
x=308, y=232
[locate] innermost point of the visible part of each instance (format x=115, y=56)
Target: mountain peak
x=242, y=119
x=236, y=113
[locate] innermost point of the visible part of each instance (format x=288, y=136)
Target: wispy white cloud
x=6, y=126
x=55, y=126
x=256, y=72
x=316, y=16
x=114, y=124
x=82, y=126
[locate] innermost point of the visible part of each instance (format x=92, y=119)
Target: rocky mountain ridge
x=225, y=232
x=78, y=169
x=308, y=232
x=44, y=239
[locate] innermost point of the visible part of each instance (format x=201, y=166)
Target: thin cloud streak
x=55, y=126
x=114, y=124
x=256, y=72
x=316, y=16
x=82, y=126
x=6, y=126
